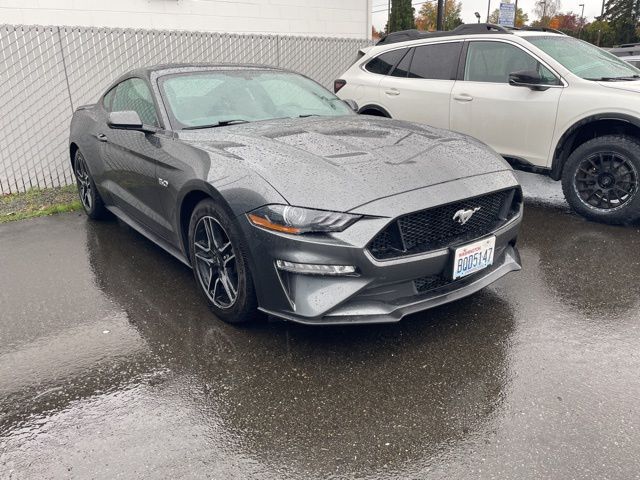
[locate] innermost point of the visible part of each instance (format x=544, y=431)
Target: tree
x=623, y=16
x=569, y=23
x=401, y=16
x=521, y=17
x=599, y=30
x=427, y=16
x=546, y=10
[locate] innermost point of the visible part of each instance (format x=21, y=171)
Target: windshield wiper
x=221, y=123
x=615, y=79
x=306, y=115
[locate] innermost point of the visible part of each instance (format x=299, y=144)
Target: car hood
x=340, y=163
x=630, y=86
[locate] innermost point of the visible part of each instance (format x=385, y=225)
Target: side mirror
x=352, y=104
x=126, y=120
x=528, y=78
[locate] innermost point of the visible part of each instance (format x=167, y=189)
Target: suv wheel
x=601, y=179
x=220, y=266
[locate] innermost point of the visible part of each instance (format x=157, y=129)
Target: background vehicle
x=629, y=52
x=548, y=103
x=282, y=199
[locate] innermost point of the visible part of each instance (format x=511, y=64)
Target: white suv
x=548, y=103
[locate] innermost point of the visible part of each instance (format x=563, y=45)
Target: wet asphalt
x=112, y=367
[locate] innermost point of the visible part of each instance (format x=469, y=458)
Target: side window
x=107, y=100
x=436, y=62
x=134, y=94
x=494, y=61
x=402, y=69
x=383, y=64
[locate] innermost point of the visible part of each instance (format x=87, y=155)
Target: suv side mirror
x=127, y=120
x=352, y=104
x=528, y=78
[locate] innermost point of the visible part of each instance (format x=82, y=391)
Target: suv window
x=134, y=94
x=383, y=64
x=494, y=61
x=436, y=62
x=402, y=69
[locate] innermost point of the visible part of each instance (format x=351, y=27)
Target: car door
x=131, y=156
x=419, y=88
x=518, y=122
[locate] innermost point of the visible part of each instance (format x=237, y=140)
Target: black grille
x=435, y=228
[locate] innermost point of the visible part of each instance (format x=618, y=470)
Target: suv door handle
x=392, y=91
x=102, y=137
x=463, y=97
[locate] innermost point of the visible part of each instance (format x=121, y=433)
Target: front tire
x=220, y=266
x=601, y=179
x=89, y=196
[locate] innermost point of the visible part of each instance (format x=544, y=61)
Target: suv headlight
x=297, y=220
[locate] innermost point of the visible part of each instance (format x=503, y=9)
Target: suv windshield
x=585, y=60
x=218, y=98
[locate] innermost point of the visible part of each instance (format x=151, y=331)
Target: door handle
x=102, y=137
x=463, y=97
x=392, y=91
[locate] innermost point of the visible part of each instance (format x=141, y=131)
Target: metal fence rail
x=46, y=72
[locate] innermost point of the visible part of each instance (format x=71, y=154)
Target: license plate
x=473, y=257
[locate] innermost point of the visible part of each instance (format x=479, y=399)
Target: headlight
x=296, y=220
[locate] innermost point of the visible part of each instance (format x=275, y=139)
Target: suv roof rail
x=542, y=29
x=465, y=29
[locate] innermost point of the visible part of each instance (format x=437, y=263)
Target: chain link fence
x=46, y=72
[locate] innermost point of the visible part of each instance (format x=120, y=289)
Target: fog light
x=314, y=269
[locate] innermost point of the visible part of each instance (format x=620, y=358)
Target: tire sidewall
x=96, y=204
x=244, y=308
x=627, y=147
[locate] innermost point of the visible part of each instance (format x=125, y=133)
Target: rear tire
x=220, y=264
x=601, y=179
x=89, y=196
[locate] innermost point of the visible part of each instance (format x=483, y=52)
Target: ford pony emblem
x=462, y=216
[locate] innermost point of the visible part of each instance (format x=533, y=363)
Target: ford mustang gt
x=283, y=200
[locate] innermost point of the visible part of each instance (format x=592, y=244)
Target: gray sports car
x=285, y=201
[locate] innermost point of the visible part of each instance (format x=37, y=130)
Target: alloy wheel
x=84, y=183
x=215, y=262
x=606, y=180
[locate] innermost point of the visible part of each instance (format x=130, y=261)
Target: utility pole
x=515, y=16
x=440, y=16
x=488, y=9
x=581, y=19
x=600, y=29
x=544, y=10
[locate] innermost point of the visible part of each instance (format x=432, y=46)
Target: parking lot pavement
x=112, y=367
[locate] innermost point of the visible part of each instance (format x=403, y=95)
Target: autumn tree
x=521, y=17
x=401, y=16
x=427, y=16
x=546, y=10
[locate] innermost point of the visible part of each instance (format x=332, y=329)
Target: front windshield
x=216, y=98
x=585, y=60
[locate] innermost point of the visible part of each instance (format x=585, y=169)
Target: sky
x=592, y=9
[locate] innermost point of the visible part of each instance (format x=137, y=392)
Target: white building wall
x=330, y=18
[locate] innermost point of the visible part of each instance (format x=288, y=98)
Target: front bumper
x=382, y=290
